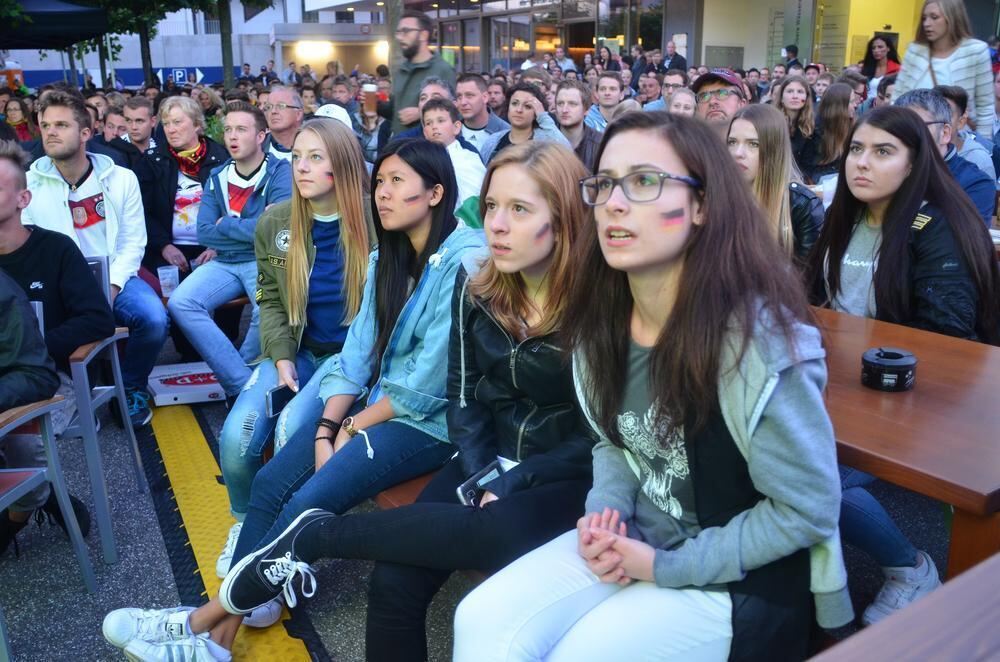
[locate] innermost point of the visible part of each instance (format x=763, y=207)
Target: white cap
x=334, y=112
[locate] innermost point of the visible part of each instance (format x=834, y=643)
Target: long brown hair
x=351, y=188
x=732, y=267
x=835, y=118
x=556, y=171
x=806, y=120
x=959, y=25
x=929, y=182
x=776, y=169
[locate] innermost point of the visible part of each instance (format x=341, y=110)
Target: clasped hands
x=610, y=554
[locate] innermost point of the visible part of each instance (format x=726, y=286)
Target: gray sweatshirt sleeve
x=793, y=463
x=615, y=484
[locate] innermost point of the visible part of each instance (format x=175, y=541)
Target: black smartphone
x=472, y=490
x=276, y=399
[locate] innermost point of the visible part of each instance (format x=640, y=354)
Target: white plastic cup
x=170, y=278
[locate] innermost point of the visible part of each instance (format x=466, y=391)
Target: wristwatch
x=348, y=426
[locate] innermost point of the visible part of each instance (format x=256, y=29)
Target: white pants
x=548, y=605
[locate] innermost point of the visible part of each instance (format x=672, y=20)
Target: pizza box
x=184, y=383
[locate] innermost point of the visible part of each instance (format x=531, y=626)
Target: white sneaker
x=902, y=586
x=226, y=557
x=193, y=648
x=125, y=625
x=266, y=615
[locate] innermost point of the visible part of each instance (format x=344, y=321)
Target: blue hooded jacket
x=233, y=236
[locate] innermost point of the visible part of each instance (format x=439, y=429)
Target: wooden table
x=955, y=622
x=942, y=439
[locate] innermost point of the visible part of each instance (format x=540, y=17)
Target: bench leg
x=974, y=538
x=95, y=466
x=58, y=484
x=116, y=373
x=4, y=640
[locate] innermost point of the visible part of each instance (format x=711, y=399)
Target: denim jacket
x=413, y=372
x=233, y=236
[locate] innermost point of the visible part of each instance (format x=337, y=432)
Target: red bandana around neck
x=189, y=161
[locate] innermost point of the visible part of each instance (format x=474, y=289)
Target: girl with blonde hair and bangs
x=518, y=297
x=312, y=258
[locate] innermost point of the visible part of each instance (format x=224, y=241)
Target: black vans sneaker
x=267, y=573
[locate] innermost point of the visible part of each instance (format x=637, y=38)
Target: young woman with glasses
x=901, y=243
x=697, y=365
x=758, y=141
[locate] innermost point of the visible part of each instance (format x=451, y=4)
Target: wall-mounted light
x=350, y=9
x=382, y=50
x=313, y=50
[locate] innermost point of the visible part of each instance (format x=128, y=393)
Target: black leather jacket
x=807, y=218
x=512, y=399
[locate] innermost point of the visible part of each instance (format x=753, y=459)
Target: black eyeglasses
x=641, y=186
x=268, y=107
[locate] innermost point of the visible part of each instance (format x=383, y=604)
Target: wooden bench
x=941, y=439
x=955, y=622
x=403, y=494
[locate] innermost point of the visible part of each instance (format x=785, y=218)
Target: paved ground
x=51, y=618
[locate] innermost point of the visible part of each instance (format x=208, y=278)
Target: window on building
x=309, y=16
x=344, y=17
x=250, y=12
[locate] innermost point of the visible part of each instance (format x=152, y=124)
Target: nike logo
x=37, y=285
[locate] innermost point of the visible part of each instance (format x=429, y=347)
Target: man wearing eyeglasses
x=413, y=34
x=283, y=111
x=719, y=94
x=934, y=110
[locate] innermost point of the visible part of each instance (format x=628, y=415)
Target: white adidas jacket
x=125, y=219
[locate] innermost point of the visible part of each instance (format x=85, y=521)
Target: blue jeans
x=247, y=429
x=139, y=308
x=288, y=485
x=191, y=307
x=865, y=524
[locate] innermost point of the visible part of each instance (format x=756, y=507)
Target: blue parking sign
x=179, y=75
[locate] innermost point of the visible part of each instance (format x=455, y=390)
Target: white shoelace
x=157, y=626
x=283, y=570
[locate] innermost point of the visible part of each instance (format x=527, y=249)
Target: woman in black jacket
x=512, y=413
x=758, y=140
x=889, y=250
x=179, y=166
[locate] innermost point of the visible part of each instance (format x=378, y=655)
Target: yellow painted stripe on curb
x=204, y=506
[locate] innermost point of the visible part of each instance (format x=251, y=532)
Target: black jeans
x=417, y=547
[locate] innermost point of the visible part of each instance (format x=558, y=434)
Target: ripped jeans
x=247, y=430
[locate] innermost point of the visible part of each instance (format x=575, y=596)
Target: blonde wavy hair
x=351, y=188
x=186, y=105
x=556, y=171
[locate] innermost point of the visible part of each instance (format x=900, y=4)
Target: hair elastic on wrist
x=324, y=439
x=327, y=423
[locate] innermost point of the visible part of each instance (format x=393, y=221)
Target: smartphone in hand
x=472, y=490
x=276, y=399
